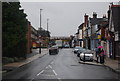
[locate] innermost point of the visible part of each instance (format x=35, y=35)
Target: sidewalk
x=31, y=57
x=114, y=65
x=110, y=63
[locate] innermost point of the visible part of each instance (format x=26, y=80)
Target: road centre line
x=40, y=72
x=55, y=72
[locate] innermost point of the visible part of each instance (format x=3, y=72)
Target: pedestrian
x=102, y=56
x=97, y=53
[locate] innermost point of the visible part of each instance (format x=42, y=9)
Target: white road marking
x=47, y=75
x=50, y=66
x=59, y=79
x=46, y=67
x=55, y=72
x=32, y=79
x=40, y=72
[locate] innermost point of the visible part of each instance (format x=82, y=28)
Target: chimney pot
x=94, y=15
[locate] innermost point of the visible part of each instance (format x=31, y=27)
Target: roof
x=94, y=21
x=81, y=26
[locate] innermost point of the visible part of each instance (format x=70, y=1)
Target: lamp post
x=47, y=33
x=40, y=32
x=47, y=24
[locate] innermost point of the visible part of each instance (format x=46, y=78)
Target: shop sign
x=98, y=36
x=117, y=36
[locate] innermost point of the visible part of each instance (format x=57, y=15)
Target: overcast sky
x=64, y=17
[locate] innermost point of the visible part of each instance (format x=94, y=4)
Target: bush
x=16, y=59
x=10, y=60
x=6, y=60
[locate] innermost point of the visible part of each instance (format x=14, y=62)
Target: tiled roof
x=94, y=21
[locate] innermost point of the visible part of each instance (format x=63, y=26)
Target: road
x=64, y=65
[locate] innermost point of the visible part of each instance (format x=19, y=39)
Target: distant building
x=32, y=38
x=95, y=24
x=80, y=36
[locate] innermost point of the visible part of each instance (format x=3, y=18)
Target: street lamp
x=47, y=33
x=47, y=24
x=40, y=32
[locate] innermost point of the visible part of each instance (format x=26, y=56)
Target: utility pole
x=40, y=32
x=47, y=24
x=47, y=32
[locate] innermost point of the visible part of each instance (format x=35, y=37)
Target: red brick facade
x=28, y=37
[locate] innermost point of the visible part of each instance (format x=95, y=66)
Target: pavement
x=113, y=65
x=30, y=57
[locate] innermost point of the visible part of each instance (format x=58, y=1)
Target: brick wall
x=28, y=37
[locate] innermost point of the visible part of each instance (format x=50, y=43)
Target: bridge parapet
x=60, y=38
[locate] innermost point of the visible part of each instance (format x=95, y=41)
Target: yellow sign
x=34, y=44
x=99, y=36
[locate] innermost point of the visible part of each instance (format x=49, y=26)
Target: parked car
x=80, y=51
x=53, y=50
x=86, y=56
x=77, y=48
x=66, y=46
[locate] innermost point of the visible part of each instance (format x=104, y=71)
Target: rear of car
x=66, y=46
x=53, y=50
x=77, y=48
x=86, y=56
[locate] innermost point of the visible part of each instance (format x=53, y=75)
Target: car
x=76, y=49
x=66, y=46
x=80, y=51
x=86, y=56
x=53, y=50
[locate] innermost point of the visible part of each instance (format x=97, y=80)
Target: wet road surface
x=64, y=65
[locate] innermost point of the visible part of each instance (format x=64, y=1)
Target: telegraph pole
x=40, y=32
x=47, y=33
x=47, y=24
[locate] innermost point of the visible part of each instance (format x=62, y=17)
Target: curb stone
x=118, y=72
x=110, y=68
x=96, y=64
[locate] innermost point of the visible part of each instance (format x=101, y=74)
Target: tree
x=14, y=28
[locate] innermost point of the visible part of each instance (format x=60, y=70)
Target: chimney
x=94, y=15
x=85, y=19
x=108, y=13
x=104, y=16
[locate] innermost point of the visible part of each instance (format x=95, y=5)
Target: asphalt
x=111, y=64
x=30, y=57
x=59, y=66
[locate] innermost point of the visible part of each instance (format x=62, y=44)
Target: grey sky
x=64, y=17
